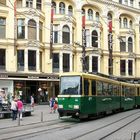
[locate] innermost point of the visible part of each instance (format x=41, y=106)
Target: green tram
x=83, y=95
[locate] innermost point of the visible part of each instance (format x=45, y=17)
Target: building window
x=29, y=3
x=55, y=34
x=125, y=23
x=122, y=44
x=131, y=2
x=21, y=29
x=90, y=14
x=87, y=38
x=130, y=44
x=70, y=10
x=20, y=60
x=86, y=63
x=97, y=16
x=40, y=64
x=38, y=4
x=40, y=31
x=130, y=67
x=120, y=22
x=120, y=1
x=122, y=67
x=66, y=62
x=31, y=29
x=62, y=8
x=130, y=24
x=55, y=60
x=83, y=11
x=126, y=2
x=2, y=27
x=2, y=2
x=94, y=39
x=19, y=3
x=94, y=64
x=31, y=60
x=54, y=6
x=66, y=34
x=2, y=59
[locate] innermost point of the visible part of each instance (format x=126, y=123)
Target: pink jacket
x=19, y=105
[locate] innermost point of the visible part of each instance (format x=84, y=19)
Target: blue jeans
x=14, y=114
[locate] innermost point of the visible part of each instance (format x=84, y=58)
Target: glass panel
x=21, y=29
x=20, y=60
x=38, y=4
x=31, y=60
x=66, y=62
x=70, y=85
x=99, y=88
x=56, y=62
x=122, y=67
x=31, y=29
x=2, y=27
x=86, y=87
x=93, y=87
x=2, y=59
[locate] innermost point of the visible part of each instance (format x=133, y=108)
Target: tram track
x=110, y=124
x=33, y=129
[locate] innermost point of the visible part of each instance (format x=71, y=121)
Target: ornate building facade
x=37, y=44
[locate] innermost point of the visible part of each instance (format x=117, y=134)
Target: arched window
x=130, y=44
x=130, y=24
x=31, y=29
x=125, y=22
x=2, y=27
x=83, y=11
x=120, y=22
x=90, y=14
x=97, y=16
x=109, y=16
x=62, y=8
x=94, y=39
x=66, y=34
x=70, y=10
x=54, y=6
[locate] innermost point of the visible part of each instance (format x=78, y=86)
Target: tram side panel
x=128, y=96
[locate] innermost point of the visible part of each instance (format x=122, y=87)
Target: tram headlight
x=60, y=106
x=76, y=106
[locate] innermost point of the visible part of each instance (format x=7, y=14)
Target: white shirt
x=13, y=105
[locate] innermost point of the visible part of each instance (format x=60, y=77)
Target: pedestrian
x=20, y=108
x=55, y=106
x=52, y=101
x=14, y=108
x=32, y=102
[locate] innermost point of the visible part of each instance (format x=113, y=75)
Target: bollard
x=41, y=116
x=19, y=120
x=133, y=136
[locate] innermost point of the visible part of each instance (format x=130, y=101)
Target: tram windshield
x=70, y=85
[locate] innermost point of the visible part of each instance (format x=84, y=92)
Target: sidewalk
x=41, y=112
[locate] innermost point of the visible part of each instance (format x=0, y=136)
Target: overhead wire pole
x=51, y=32
x=15, y=27
x=83, y=44
x=110, y=44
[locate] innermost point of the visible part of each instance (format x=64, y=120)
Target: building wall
x=73, y=22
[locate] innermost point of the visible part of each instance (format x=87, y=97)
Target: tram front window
x=70, y=85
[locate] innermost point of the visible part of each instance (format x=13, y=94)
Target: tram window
x=110, y=89
x=105, y=89
x=93, y=87
x=138, y=91
x=99, y=88
x=116, y=90
x=86, y=87
x=123, y=90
